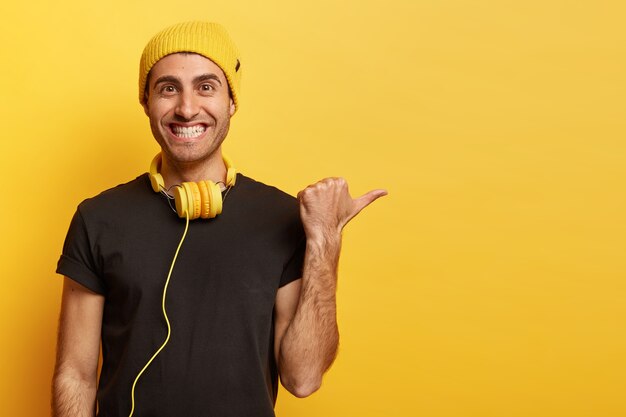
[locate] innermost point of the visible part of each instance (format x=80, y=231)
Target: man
x=250, y=293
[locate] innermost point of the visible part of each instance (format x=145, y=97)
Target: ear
x=232, y=107
x=146, y=88
x=144, y=104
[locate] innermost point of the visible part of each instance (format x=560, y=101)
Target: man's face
x=189, y=106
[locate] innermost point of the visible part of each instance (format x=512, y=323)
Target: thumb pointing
x=367, y=199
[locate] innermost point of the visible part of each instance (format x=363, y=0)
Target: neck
x=175, y=173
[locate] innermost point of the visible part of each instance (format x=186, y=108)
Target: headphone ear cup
x=215, y=196
x=205, y=200
x=194, y=199
x=187, y=198
x=180, y=198
x=157, y=183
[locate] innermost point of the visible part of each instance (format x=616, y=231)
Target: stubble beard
x=191, y=153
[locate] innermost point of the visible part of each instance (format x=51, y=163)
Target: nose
x=187, y=106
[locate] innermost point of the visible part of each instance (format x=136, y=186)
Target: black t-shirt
x=220, y=301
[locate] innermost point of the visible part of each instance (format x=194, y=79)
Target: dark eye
x=168, y=89
x=206, y=87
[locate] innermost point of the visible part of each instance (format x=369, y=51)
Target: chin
x=189, y=153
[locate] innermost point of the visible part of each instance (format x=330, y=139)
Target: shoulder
x=262, y=205
x=264, y=194
x=117, y=198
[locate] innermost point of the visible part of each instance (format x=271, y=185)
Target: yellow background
x=490, y=282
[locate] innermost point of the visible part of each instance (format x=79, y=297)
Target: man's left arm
x=306, y=330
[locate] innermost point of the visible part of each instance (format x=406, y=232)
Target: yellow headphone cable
x=169, y=327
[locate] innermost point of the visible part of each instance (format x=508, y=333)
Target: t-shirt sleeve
x=293, y=268
x=77, y=260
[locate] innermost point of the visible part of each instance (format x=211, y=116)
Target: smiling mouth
x=187, y=132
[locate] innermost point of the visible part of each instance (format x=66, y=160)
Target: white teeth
x=188, y=132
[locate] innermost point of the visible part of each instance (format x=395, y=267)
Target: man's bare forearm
x=74, y=383
x=310, y=343
x=72, y=396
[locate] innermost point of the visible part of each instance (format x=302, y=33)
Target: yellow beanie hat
x=207, y=39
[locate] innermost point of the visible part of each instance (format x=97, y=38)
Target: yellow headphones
x=197, y=199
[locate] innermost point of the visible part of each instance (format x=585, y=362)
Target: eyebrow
x=167, y=79
x=208, y=76
x=176, y=80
